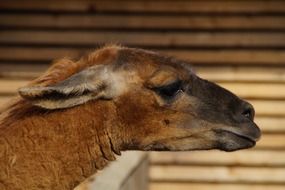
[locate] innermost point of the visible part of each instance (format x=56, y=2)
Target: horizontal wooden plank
x=241, y=73
x=214, y=157
x=269, y=108
x=19, y=75
x=271, y=141
x=168, y=39
x=247, y=57
x=253, y=6
x=24, y=71
x=63, y=21
x=214, y=73
x=38, y=54
x=217, y=174
x=271, y=124
x=256, y=90
x=4, y=100
x=252, y=57
x=212, y=186
x=11, y=86
x=127, y=167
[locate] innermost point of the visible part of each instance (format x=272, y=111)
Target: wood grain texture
x=4, y=100
x=10, y=87
x=221, y=6
x=168, y=39
x=217, y=174
x=124, y=174
x=269, y=108
x=237, y=73
x=219, y=158
x=256, y=90
x=216, y=73
x=212, y=57
x=91, y=21
x=271, y=124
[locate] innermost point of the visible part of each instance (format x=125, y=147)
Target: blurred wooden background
x=238, y=44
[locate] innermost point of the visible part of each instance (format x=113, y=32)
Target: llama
x=72, y=120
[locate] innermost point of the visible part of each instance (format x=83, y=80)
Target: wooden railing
x=128, y=172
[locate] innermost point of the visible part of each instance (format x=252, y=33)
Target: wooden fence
x=238, y=44
x=128, y=172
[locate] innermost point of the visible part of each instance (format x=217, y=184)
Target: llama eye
x=169, y=91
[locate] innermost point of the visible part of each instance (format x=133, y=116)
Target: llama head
x=161, y=104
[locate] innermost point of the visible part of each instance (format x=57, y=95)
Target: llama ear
x=86, y=85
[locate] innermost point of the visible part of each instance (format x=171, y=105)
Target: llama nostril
x=248, y=112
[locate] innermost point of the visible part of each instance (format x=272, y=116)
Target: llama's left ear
x=89, y=84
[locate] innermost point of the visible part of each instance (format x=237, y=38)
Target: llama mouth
x=242, y=136
x=245, y=137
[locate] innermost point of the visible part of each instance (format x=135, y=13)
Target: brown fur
x=58, y=149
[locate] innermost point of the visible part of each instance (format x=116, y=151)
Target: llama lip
x=248, y=138
x=243, y=136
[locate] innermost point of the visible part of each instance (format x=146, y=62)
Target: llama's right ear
x=89, y=84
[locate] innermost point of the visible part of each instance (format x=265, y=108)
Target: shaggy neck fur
x=55, y=150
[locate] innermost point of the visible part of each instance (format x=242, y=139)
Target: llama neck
x=56, y=150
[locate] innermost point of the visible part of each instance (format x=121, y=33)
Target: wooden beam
x=23, y=71
x=38, y=54
x=207, y=186
x=269, y=108
x=168, y=39
x=246, y=57
x=217, y=174
x=4, y=100
x=271, y=124
x=63, y=21
x=129, y=171
x=271, y=141
x=219, y=158
x=10, y=87
x=256, y=90
x=180, y=6
x=254, y=74
x=241, y=73
x=213, y=57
